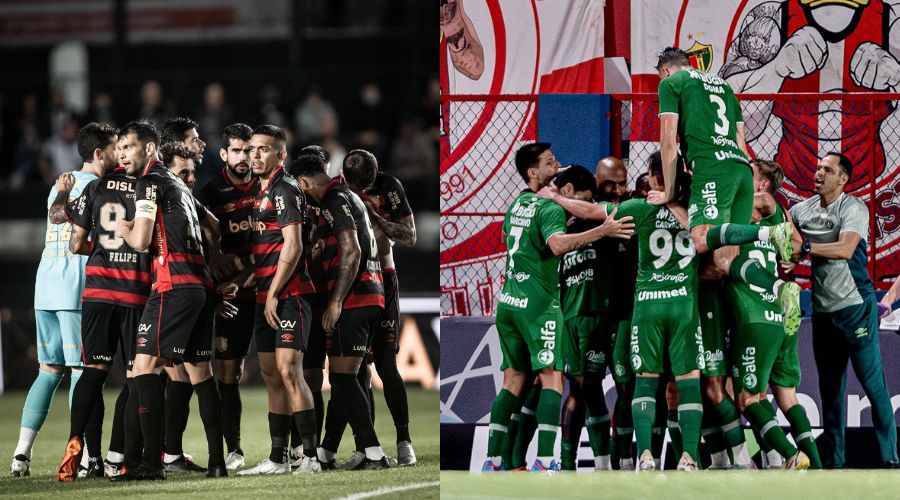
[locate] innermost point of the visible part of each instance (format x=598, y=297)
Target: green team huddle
x=707, y=302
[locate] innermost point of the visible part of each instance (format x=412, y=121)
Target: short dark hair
x=240, y=131
x=93, y=136
x=271, y=131
x=527, y=157
x=672, y=55
x=319, y=150
x=579, y=176
x=170, y=150
x=844, y=163
x=145, y=131
x=174, y=128
x=654, y=167
x=360, y=168
x=307, y=164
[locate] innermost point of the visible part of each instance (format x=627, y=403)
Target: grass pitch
x=412, y=482
x=757, y=485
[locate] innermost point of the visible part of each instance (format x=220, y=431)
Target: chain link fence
x=479, y=135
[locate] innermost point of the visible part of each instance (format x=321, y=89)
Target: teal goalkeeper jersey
x=60, y=276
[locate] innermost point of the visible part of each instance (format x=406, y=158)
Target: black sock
x=295, y=435
x=134, y=441
x=345, y=389
x=88, y=390
x=231, y=415
x=152, y=413
x=319, y=403
x=279, y=430
x=210, y=404
x=93, y=433
x=335, y=423
x=178, y=404
x=394, y=394
x=305, y=422
x=117, y=435
x=365, y=381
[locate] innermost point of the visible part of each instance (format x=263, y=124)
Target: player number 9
x=109, y=213
x=662, y=246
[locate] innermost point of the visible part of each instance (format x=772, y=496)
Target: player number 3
x=720, y=128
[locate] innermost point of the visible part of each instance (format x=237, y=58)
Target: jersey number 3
x=720, y=128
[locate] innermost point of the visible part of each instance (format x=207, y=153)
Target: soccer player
x=184, y=130
x=701, y=110
x=282, y=317
x=355, y=302
x=835, y=227
x=167, y=224
x=57, y=300
x=529, y=318
x=393, y=223
x=116, y=287
x=230, y=197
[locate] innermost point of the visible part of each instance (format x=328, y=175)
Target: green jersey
x=667, y=263
x=708, y=114
x=532, y=271
x=584, y=285
x=759, y=305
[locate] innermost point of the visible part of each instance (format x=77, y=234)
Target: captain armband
x=145, y=209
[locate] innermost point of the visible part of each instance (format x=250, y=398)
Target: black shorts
x=314, y=357
x=233, y=335
x=355, y=329
x=386, y=341
x=177, y=325
x=292, y=333
x=106, y=328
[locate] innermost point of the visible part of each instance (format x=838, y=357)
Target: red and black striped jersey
x=388, y=198
x=177, y=251
x=280, y=204
x=232, y=204
x=115, y=272
x=311, y=237
x=342, y=210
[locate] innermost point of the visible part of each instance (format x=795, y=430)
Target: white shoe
x=308, y=466
x=353, y=462
x=626, y=464
x=267, y=467
x=687, y=463
x=234, y=460
x=20, y=466
x=646, y=462
x=406, y=455
x=296, y=455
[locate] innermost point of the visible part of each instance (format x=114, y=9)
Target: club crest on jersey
x=221, y=344
x=545, y=356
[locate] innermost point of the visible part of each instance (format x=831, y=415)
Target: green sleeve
x=636, y=208
x=552, y=219
x=668, y=96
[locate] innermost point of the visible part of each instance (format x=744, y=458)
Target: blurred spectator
x=59, y=112
x=270, y=106
x=337, y=152
x=414, y=160
x=429, y=109
x=213, y=118
x=28, y=147
x=315, y=118
x=370, y=121
x=60, y=153
x=102, y=109
x=152, y=103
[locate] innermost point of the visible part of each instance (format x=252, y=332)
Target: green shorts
x=664, y=331
x=721, y=192
x=530, y=341
x=763, y=353
x=586, y=345
x=714, y=325
x=621, y=364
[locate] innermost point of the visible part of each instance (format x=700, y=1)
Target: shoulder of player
x=849, y=202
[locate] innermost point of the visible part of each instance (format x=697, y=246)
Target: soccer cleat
x=296, y=455
x=112, y=469
x=329, y=465
x=183, y=464
x=267, y=467
x=353, y=462
x=626, y=464
x=539, y=466
x=789, y=296
x=140, y=473
x=798, y=462
x=406, y=455
x=780, y=237
x=234, y=460
x=687, y=463
x=369, y=464
x=308, y=465
x=217, y=471
x=93, y=470
x=20, y=466
x=490, y=466
x=646, y=462
x=520, y=468
x=68, y=469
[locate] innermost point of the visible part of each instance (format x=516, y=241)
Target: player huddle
x=675, y=288
x=175, y=276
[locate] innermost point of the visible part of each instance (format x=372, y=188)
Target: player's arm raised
x=402, y=231
x=580, y=209
x=64, y=185
x=668, y=148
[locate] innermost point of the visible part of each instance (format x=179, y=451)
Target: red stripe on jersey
x=371, y=299
x=264, y=272
x=266, y=248
x=163, y=278
x=102, y=294
x=187, y=257
x=363, y=278
x=295, y=287
x=233, y=206
x=119, y=274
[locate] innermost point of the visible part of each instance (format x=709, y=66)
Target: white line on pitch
x=392, y=489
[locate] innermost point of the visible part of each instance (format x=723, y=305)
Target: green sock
x=690, y=415
x=734, y=234
x=747, y=269
x=598, y=434
x=659, y=422
x=643, y=411
x=506, y=449
x=568, y=450
x=548, y=423
x=730, y=422
x=526, y=428
x=764, y=421
x=674, y=431
x=501, y=410
x=801, y=430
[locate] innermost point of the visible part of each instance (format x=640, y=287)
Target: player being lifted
x=701, y=110
x=529, y=319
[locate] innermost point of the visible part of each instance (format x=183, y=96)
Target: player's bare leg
x=290, y=367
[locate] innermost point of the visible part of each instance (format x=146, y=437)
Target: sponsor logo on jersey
x=519, y=276
x=862, y=332
x=774, y=316
x=258, y=226
x=620, y=370
x=663, y=277
x=713, y=358
x=144, y=328
x=636, y=362
x=241, y=225
x=100, y=357
x=710, y=212
x=389, y=324
x=142, y=341
x=204, y=353
x=748, y=361
x=572, y=259
x=178, y=350
x=705, y=77
x=287, y=338
x=661, y=294
x=120, y=186
x=394, y=199
x=719, y=140
x=728, y=155
x=279, y=203
x=595, y=357
x=548, y=335
x=545, y=356
x=509, y=300
x=584, y=275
